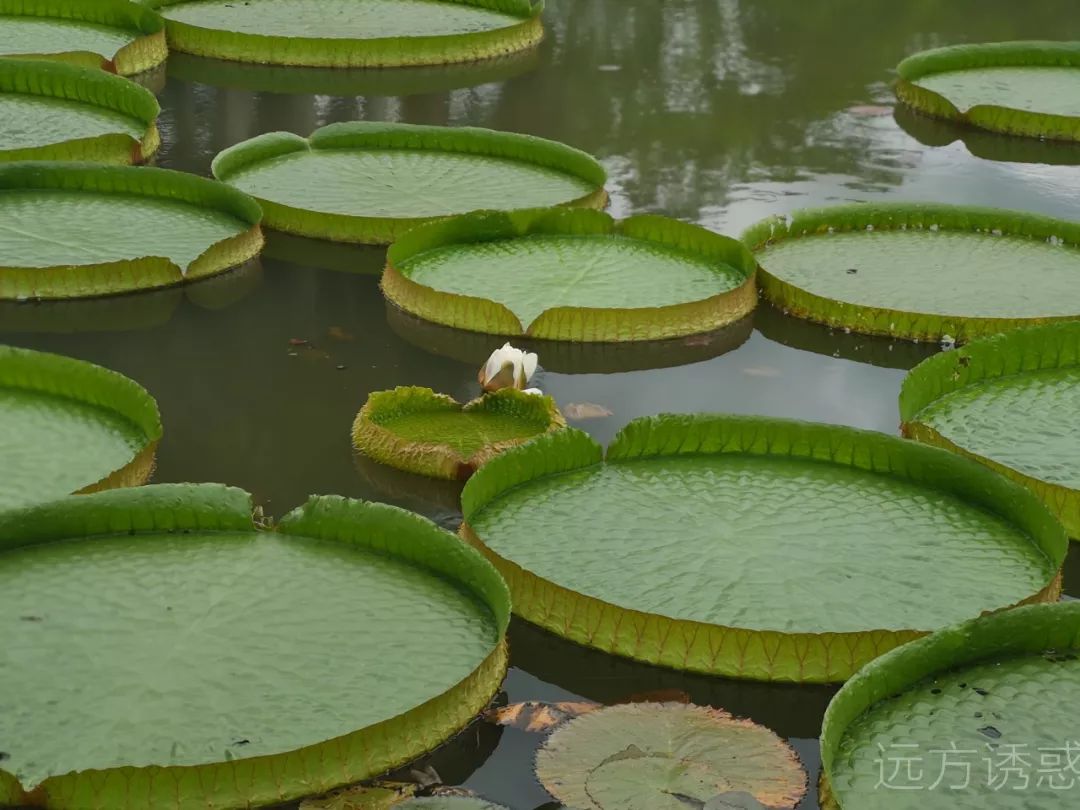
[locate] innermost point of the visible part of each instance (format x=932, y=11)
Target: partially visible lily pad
x=70, y=426
x=74, y=230
x=920, y=271
x=668, y=756
x=1012, y=402
x=54, y=111
x=418, y=430
x=121, y=36
x=348, y=33
x=196, y=632
x=977, y=716
x=1029, y=88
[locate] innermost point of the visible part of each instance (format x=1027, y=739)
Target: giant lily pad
x=121, y=36
x=1012, y=402
x=565, y=274
x=370, y=182
x=70, y=426
x=53, y=111
x=753, y=547
x=974, y=717
x=667, y=756
x=221, y=664
x=352, y=33
x=72, y=230
x=1016, y=88
x=417, y=430
x=920, y=271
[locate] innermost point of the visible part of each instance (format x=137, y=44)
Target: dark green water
x=719, y=112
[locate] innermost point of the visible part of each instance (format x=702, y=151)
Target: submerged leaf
x=666, y=756
x=536, y=716
x=585, y=410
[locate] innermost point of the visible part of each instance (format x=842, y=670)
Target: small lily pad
x=54, y=111
x=119, y=35
x=418, y=430
x=667, y=756
x=70, y=426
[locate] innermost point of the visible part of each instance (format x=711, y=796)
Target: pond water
x=718, y=112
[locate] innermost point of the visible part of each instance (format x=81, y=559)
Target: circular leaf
x=666, y=756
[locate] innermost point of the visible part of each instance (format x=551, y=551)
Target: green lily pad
x=666, y=756
x=970, y=718
x=1015, y=88
x=119, y=35
x=370, y=182
x=1012, y=402
x=69, y=426
x=73, y=230
x=753, y=547
x=566, y=274
x=53, y=111
x=922, y=272
x=352, y=33
x=417, y=430
x=201, y=641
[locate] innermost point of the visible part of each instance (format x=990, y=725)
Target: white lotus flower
x=507, y=368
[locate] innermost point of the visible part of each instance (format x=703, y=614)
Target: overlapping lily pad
x=224, y=664
x=74, y=230
x=1016, y=88
x=370, y=182
x=918, y=271
x=121, y=36
x=753, y=547
x=352, y=33
x=668, y=756
x=418, y=430
x=988, y=698
x=54, y=111
x=70, y=426
x=1012, y=402
x=572, y=275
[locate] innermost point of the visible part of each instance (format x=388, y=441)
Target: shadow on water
x=564, y=357
x=339, y=256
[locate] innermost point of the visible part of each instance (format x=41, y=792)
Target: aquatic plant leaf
x=119, y=35
x=370, y=182
x=125, y=228
x=920, y=271
x=536, y=716
x=55, y=111
x=666, y=756
x=578, y=275
x=67, y=426
x=1012, y=402
x=979, y=690
x=179, y=577
x=431, y=434
x=344, y=33
x=797, y=547
x=1024, y=88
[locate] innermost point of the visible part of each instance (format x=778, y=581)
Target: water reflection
x=339, y=256
x=473, y=348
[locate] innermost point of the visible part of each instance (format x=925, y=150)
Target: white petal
x=534, y=391
x=529, y=362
